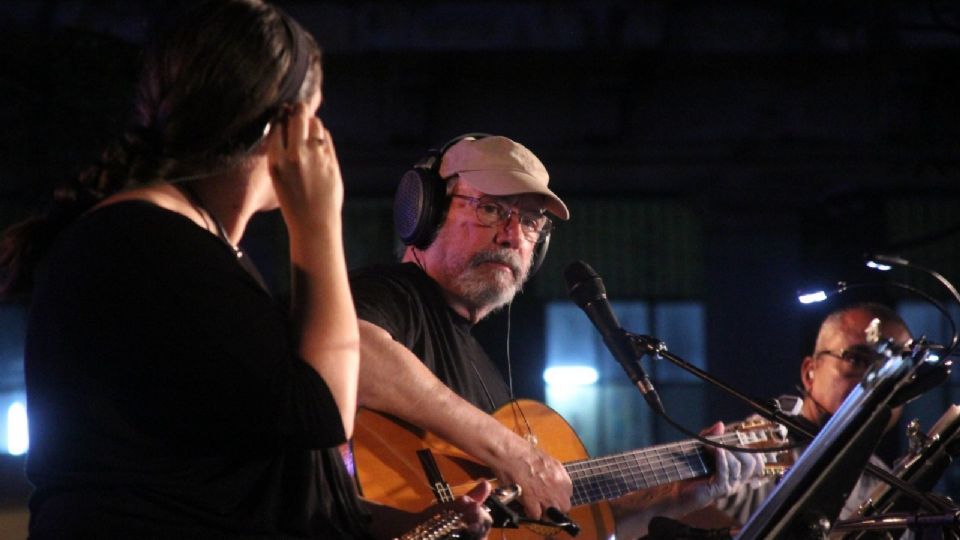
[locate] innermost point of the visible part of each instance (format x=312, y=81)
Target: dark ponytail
x=209, y=84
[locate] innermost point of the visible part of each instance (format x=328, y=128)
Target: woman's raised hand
x=305, y=170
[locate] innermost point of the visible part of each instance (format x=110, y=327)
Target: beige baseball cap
x=497, y=165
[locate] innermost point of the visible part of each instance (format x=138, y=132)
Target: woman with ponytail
x=168, y=394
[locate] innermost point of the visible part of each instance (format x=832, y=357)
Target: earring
x=810, y=375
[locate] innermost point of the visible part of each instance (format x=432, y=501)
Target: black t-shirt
x=166, y=395
x=405, y=302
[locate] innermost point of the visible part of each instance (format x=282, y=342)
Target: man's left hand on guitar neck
x=633, y=512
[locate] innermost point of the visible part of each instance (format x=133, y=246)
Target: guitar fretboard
x=615, y=475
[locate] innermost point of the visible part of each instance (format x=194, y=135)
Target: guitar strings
x=684, y=448
x=633, y=475
x=615, y=475
x=662, y=468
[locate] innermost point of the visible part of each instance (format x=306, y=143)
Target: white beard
x=488, y=289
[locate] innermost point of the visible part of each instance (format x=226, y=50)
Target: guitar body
x=389, y=472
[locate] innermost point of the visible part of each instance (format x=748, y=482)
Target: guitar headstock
x=761, y=433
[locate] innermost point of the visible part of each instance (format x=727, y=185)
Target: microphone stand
x=658, y=349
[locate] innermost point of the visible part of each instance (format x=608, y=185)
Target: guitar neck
x=609, y=477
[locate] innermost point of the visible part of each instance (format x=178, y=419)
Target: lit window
x=570, y=375
x=586, y=386
x=18, y=440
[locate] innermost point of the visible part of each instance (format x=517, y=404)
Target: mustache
x=501, y=256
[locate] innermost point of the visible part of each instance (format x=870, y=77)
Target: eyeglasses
x=858, y=355
x=491, y=212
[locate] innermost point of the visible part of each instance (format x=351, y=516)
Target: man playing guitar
x=474, y=217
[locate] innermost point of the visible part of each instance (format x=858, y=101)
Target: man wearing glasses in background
x=839, y=361
x=841, y=357
x=419, y=361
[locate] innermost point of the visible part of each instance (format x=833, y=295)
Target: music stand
x=809, y=498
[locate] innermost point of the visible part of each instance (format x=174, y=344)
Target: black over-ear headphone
x=421, y=202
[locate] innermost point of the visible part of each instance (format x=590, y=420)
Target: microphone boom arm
x=658, y=349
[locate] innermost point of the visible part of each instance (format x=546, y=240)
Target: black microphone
x=587, y=291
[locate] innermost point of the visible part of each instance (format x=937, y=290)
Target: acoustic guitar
x=389, y=472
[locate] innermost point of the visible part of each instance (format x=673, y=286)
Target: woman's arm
x=306, y=176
